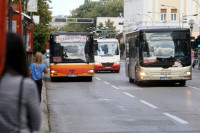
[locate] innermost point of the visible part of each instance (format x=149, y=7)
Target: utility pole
x=9, y=16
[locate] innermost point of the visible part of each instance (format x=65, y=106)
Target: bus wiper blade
x=170, y=59
x=107, y=55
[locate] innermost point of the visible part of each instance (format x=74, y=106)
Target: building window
x=163, y=14
x=173, y=14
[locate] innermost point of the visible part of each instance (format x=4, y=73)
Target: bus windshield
x=107, y=48
x=70, y=49
x=166, y=46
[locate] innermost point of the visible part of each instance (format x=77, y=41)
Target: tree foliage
x=91, y=9
x=42, y=30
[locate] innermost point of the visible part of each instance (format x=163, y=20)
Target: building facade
x=180, y=13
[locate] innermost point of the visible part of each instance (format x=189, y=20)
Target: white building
x=161, y=13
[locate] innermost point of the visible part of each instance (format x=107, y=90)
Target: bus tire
x=89, y=79
x=182, y=83
x=131, y=80
x=117, y=71
x=139, y=83
x=53, y=79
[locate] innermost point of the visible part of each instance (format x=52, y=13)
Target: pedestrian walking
x=192, y=57
x=36, y=70
x=19, y=105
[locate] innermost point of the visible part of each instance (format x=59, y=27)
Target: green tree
x=109, y=28
x=42, y=30
x=103, y=8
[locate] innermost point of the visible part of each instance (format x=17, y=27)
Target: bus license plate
x=165, y=78
x=72, y=75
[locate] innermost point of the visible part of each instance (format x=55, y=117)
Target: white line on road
x=106, y=82
x=128, y=94
x=98, y=78
x=115, y=87
x=176, y=118
x=148, y=104
x=194, y=88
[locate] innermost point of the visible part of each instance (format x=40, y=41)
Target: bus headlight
x=53, y=71
x=187, y=73
x=117, y=63
x=97, y=63
x=90, y=71
x=143, y=74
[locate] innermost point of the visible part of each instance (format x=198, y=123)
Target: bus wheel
x=53, y=79
x=117, y=71
x=131, y=80
x=89, y=79
x=139, y=83
x=182, y=83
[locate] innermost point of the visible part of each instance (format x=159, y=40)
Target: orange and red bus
x=3, y=12
x=71, y=55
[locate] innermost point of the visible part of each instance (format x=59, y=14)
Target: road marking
x=106, y=82
x=121, y=108
x=176, y=118
x=148, y=104
x=194, y=88
x=98, y=78
x=115, y=87
x=128, y=94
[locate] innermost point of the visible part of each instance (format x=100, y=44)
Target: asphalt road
x=111, y=104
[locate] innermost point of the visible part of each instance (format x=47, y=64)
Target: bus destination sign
x=71, y=38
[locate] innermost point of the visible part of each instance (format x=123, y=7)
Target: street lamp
x=191, y=23
x=199, y=10
x=184, y=18
x=147, y=16
x=174, y=8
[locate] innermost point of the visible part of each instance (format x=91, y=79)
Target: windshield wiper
x=170, y=59
x=107, y=55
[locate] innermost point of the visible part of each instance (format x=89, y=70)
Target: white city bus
x=107, y=56
x=158, y=54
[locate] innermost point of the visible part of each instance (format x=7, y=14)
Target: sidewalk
x=45, y=119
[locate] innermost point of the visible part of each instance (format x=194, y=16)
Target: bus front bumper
x=112, y=68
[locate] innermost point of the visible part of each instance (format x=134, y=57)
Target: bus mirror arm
x=96, y=45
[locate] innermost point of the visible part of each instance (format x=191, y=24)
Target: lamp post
x=199, y=11
x=147, y=16
x=185, y=18
x=174, y=8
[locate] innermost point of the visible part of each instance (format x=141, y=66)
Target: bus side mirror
x=87, y=47
x=96, y=45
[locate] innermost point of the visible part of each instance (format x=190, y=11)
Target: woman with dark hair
x=19, y=104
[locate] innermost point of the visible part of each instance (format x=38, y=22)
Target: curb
x=45, y=113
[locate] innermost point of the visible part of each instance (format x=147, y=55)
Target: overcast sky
x=63, y=7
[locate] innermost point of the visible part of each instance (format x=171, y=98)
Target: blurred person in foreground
x=36, y=70
x=15, y=88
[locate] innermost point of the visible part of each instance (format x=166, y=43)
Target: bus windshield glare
x=163, y=46
x=107, y=49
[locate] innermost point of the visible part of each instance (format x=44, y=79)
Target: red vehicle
x=3, y=12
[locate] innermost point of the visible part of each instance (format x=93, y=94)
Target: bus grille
x=107, y=64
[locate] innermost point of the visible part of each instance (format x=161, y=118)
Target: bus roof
x=71, y=33
x=158, y=28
